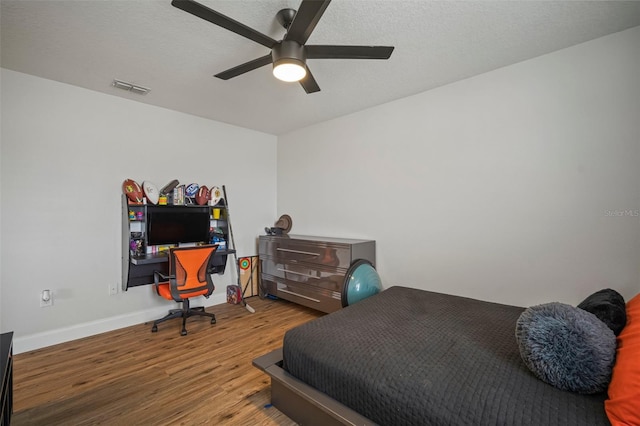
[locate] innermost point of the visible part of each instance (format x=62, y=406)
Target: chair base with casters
x=188, y=277
x=184, y=313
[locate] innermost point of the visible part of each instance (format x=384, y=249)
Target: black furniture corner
x=6, y=362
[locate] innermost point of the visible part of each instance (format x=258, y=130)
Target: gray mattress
x=412, y=357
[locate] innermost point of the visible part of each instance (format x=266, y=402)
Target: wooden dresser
x=309, y=270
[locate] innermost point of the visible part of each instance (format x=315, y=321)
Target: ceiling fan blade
x=223, y=21
x=246, y=67
x=348, y=52
x=306, y=19
x=309, y=83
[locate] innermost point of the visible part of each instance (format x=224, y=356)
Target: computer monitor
x=177, y=224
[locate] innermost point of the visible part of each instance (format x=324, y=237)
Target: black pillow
x=608, y=305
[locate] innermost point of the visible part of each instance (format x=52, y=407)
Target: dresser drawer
x=311, y=275
x=315, y=297
x=336, y=255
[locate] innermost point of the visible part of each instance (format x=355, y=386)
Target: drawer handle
x=298, y=252
x=299, y=273
x=299, y=295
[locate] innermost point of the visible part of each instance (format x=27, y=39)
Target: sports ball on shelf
x=191, y=190
x=132, y=190
x=203, y=195
x=151, y=192
x=169, y=187
x=216, y=195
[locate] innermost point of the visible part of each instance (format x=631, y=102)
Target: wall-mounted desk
x=138, y=267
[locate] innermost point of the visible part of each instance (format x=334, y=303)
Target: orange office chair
x=188, y=277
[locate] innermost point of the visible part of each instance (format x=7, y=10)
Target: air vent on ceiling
x=130, y=87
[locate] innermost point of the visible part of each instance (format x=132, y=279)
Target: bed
x=411, y=357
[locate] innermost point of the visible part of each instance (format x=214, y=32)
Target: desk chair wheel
x=183, y=332
x=154, y=329
x=213, y=320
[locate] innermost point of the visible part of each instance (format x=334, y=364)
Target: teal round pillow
x=566, y=347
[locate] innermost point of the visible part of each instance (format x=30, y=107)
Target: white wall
x=506, y=187
x=518, y=186
x=65, y=152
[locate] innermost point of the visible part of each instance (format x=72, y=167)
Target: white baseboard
x=78, y=331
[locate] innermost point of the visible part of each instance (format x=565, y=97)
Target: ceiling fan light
x=289, y=70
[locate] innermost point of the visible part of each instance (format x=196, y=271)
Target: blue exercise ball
x=362, y=281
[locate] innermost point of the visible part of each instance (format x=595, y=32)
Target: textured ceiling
x=88, y=43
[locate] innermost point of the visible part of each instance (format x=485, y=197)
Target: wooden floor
x=132, y=376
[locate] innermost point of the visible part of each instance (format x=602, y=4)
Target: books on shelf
x=178, y=195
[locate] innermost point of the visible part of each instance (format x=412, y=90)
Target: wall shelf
x=139, y=264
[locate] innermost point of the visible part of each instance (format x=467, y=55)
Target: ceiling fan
x=289, y=55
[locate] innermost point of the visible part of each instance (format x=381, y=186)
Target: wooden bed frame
x=301, y=402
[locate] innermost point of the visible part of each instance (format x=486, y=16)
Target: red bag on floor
x=234, y=294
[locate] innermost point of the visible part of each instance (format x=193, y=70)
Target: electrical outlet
x=113, y=289
x=46, y=298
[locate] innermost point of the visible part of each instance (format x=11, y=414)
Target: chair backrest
x=188, y=268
